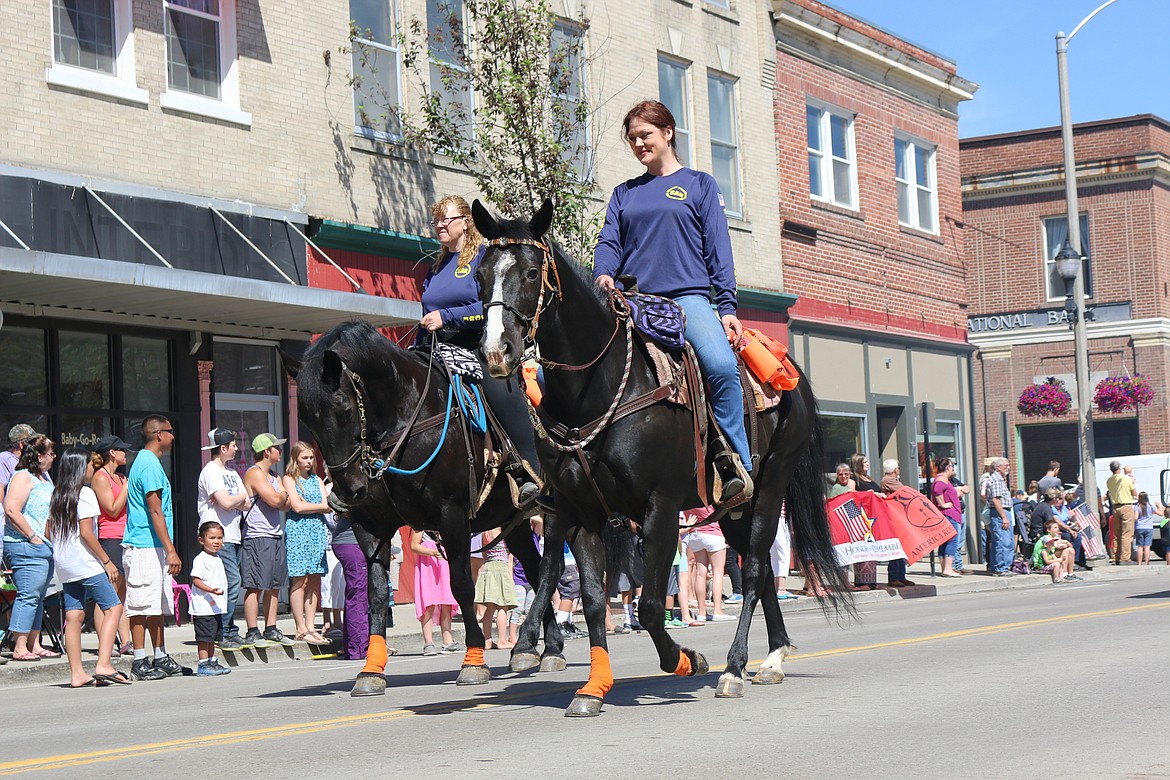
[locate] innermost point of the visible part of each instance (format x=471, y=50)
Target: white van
x=1152, y=475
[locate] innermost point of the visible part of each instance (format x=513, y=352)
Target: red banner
x=869, y=526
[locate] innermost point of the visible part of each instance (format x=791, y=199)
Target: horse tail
x=805, y=503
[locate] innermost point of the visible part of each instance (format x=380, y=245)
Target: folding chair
x=50, y=628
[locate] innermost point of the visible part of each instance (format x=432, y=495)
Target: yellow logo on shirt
x=462, y=271
x=676, y=193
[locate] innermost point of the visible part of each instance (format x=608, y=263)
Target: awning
x=50, y=284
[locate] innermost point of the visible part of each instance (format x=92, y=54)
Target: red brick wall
x=864, y=268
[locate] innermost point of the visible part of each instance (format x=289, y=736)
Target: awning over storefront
x=61, y=285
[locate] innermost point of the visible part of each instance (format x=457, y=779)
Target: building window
x=944, y=443
x=567, y=77
x=845, y=434
x=93, y=48
x=832, y=173
x=377, y=69
x=917, y=192
x=202, y=75
x=725, y=140
x=674, y=92
x=1055, y=233
x=446, y=46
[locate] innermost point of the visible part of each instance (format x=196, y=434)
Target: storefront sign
x=1022, y=320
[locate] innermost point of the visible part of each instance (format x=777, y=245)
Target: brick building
x=866, y=125
x=1014, y=214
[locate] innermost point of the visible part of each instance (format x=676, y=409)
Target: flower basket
x=1123, y=393
x=1050, y=398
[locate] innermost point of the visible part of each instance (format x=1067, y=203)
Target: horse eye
x=533, y=274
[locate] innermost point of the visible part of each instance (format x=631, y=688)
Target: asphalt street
x=1059, y=682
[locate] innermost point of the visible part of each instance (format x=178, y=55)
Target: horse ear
x=542, y=219
x=485, y=223
x=331, y=369
x=292, y=365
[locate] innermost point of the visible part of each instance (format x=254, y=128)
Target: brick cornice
x=1154, y=166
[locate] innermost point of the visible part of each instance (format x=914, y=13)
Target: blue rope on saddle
x=471, y=402
x=382, y=466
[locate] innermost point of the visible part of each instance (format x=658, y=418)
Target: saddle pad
x=763, y=394
x=459, y=361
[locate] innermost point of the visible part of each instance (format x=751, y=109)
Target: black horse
x=644, y=464
x=359, y=393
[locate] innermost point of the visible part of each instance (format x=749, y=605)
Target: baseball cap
x=217, y=437
x=19, y=432
x=107, y=443
x=264, y=441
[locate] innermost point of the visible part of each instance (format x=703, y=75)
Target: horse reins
x=546, y=264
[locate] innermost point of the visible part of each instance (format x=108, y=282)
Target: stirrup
x=736, y=483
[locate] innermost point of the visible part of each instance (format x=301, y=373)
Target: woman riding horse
x=453, y=312
x=667, y=229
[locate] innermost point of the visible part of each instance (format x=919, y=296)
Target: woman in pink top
x=109, y=455
x=710, y=550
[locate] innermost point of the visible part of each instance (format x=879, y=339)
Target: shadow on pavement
x=1162, y=594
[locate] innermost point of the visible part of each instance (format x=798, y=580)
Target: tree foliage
x=503, y=95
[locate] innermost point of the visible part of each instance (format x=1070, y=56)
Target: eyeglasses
x=438, y=223
x=171, y=431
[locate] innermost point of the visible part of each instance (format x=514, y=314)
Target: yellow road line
x=311, y=727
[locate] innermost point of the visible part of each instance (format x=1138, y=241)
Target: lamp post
x=1072, y=264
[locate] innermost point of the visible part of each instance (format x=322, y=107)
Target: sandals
x=43, y=653
x=25, y=657
x=786, y=596
x=92, y=682
x=117, y=678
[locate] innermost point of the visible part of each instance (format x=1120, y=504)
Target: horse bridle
x=547, y=263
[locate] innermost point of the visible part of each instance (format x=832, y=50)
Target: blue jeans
x=950, y=548
x=230, y=555
x=720, y=370
x=896, y=570
x=960, y=544
x=1000, y=544
x=32, y=568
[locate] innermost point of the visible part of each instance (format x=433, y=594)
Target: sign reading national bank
x=1040, y=318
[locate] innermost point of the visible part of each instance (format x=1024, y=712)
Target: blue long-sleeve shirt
x=453, y=292
x=671, y=233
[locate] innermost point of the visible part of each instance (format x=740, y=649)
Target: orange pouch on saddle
x=768, y=360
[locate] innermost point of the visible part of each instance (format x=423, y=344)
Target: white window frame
x=1053, y=296
x=733, y=143
x=227, y=108
x=122, y=84
x=393, y=51
x=864, y=431
x=683, y=130
x=912, y=148
x=825, y=158
x=583, y=166
x=455, y=66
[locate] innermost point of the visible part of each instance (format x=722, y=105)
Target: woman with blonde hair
x=305, y=539
x=453, y=313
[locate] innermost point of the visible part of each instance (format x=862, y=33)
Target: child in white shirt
x=208, y=599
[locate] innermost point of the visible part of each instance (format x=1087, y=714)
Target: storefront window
x=23, y=377
x=248, y=369
x=85, y=370
x=844, y=436
x=146, y=374
x=943, y=444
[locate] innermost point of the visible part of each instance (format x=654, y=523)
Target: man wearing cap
x=263, y=566
x=149, y=557
x=221, y=497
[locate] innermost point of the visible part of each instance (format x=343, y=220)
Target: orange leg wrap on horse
x=473, y=657
x=600, y=674
x=376, y=656
x=684, y=668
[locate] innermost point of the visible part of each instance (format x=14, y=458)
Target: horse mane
x=566, y=262
x=358, y=343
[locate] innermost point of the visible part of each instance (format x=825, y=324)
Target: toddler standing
x=495, y=589
x=208, y=599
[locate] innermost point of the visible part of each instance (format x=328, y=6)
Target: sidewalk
x=406, y=637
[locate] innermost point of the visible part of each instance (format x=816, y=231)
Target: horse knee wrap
x=600, y=674
x=684, y=668
x=376, y=656
x=473, y=657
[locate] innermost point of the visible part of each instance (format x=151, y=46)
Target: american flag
x=1091, y=530
x=854, y=520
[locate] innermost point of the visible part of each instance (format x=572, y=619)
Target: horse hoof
x=369, y=685
x=768, y=677
x=473, y=675
x=522, y=662
x=584, y=707
x=700, y=664
x=729, y=687
x=553, y=663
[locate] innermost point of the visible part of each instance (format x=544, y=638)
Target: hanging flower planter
x=1050, y=398
x=1123, y=393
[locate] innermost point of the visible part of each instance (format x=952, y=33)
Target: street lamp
x=1068, y=266
x=1074, y=245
